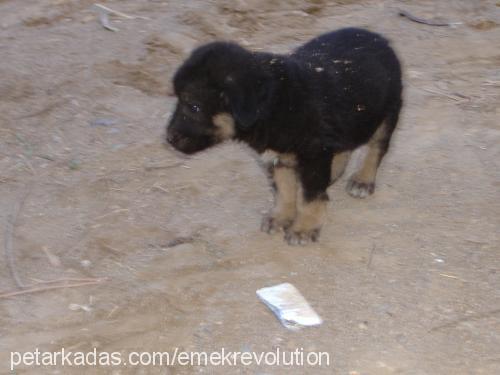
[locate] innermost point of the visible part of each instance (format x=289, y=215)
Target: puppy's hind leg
x=285, y=184
x=362, y=183
x=339, y=163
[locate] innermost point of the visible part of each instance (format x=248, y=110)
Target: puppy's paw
x=271, y=224
x=358, y=189
x=294, y=238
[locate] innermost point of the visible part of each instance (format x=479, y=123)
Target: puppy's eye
x=194, y=108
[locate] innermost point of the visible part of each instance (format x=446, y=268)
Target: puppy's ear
x=193, y=68
x=248, y=97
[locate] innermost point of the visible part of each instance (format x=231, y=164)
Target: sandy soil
x=407, y=281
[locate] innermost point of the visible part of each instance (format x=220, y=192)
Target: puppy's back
x=347, y=44
x=356, y=77
x=352, y=58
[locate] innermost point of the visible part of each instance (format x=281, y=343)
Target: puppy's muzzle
x=172, y=137
x=181, y=143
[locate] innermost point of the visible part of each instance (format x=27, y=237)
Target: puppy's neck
x=280, y=128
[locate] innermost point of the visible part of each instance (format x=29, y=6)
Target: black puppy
x=312, y=107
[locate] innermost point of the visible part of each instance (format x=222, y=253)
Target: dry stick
x=104, y=19
x=370, y=259
x=68, y=279
x=50, y=107
x=112, y=213
x=461, y=98
x=158, y=187
x=166, y=166
x=404, y=13
x=464, y=319
x=109, y=10
x=9, y=240
x=43, y=289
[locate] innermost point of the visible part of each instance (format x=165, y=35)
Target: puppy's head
x=222, y=90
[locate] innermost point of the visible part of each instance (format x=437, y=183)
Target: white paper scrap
x=289, y=306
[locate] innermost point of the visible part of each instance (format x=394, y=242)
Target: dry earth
x=407, y=281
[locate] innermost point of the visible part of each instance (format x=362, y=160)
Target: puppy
x=312, y=107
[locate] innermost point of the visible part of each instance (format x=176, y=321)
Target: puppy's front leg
x=314, y=176
x=285, y=183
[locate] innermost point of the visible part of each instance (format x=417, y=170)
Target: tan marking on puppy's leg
x=362, y=183
x=287, y=160
x=224, y=124
x=339, y=163
x=310, y=215
x=286, y=199
x=309, y=220
x=283, y=213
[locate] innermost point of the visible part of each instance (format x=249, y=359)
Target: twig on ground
x=104, y=20
x=180, y=240
x=476, y=241
x=449, y=276
x=404, y=13
x=368, y=265
x=111, y=249
x=112, y=11
x=157, y=186
x=46, y=157
x=9, y=239
x=49, y=108
x=464, y=319
x=113, y=310
x=456, y=97
x=491, y=83
x=46, y=288
x=53, y=259
x=104, y=12
x=152, y=167
x=66, y=280
x=120, y=210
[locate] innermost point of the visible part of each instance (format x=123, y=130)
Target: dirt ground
x=407, y=281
